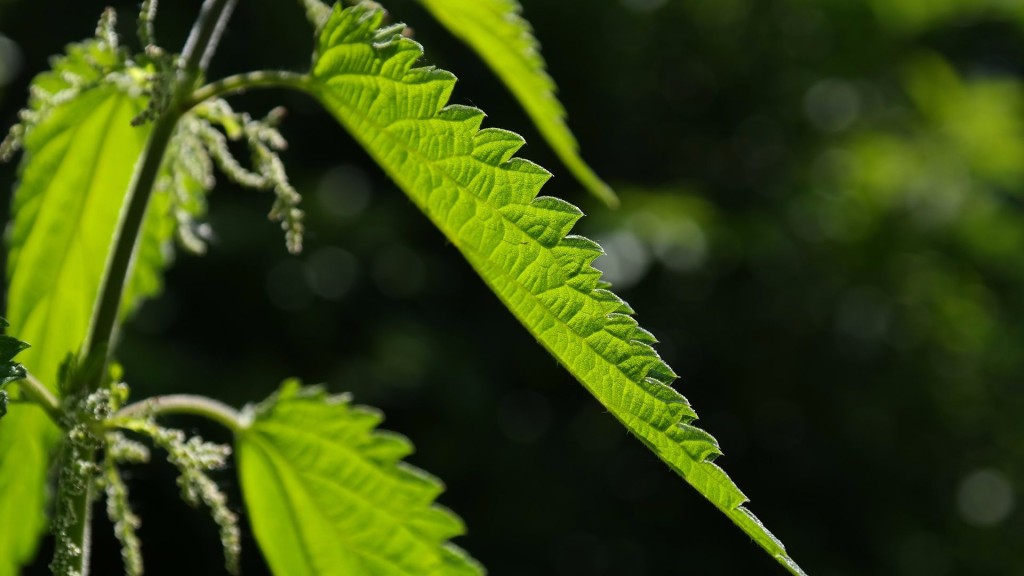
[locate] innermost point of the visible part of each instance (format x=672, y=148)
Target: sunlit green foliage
x=10, y=371
x=485, y=201
x=495, y=29
x=327, y=493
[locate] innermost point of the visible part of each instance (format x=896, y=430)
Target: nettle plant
x=119, y=151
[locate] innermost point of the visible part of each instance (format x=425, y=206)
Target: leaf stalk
x=184, y=404
x=38, y=393
x=250, y=80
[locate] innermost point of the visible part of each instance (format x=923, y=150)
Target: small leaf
x=496, y=30
x=9, y=348
x=9, y=371
x=328, y=495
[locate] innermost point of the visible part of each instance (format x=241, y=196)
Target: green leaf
x=80, y=152
x=328, y=495
x=496, y=30
x=484, y=200
x=9, y=348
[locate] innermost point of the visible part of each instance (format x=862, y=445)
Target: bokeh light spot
x=832, y=105
x=985, y=497
x=331, y=272
x=344, y=191
x=625, y=260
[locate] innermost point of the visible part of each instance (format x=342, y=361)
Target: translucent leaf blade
x=327, y=493
x=496, y=30
x=485, y=201
x=78, y=162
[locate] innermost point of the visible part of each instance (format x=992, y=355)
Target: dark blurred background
x=822, y=221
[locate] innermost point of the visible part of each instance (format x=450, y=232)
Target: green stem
x=39, y=394
x=198, y=49
x=205, y=35
x=248, y=81
x=125, y=236
x=203, y=38
x=184, y=404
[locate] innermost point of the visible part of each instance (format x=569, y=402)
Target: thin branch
x=205, y=35
x=248, y=81
x=208, y=408
x=39, y=394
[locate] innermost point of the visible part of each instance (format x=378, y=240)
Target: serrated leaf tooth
x=545, y=219
x=682, y=411
x=363, y=418
x=575, y=255
x=610, y=302
x=348, y=59
x=698, y=443
x=469, y=117
x=642, y=335
x=495, y=146
x=400, y=55
x=529, y=179
x=389, y=33
x=388, y=447
x=662, y=372
x=437, y=523
x=495, y=29
x=421, y=487
x=346, y=26
x=622, y=326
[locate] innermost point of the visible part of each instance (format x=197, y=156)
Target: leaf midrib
x=704, y=471
x=637, y=424
x=383, y=129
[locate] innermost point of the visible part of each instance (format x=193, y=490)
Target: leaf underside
x=484, y=200
x=327, y=494
x=496, y=30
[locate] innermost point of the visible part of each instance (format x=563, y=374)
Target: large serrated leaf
x=328, y=495
x=485, y=201
x=79, y=159
x=496, y=30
